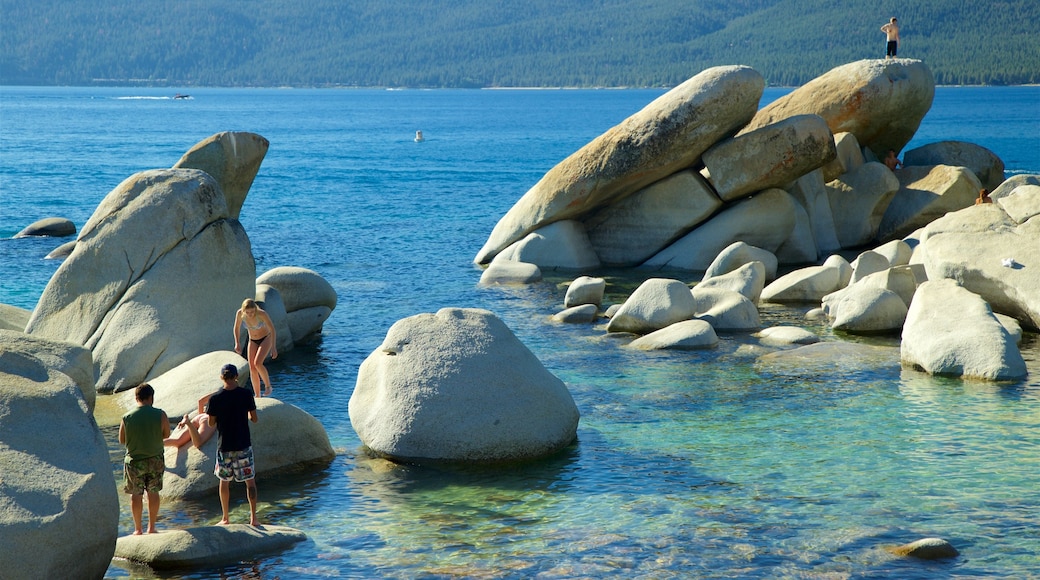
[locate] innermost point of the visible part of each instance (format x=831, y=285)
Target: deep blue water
x=705, y=464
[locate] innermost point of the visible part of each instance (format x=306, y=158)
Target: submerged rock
x=54, y=227
x=206, y=546
x=927, y=549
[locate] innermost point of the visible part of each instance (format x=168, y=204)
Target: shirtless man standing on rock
x=891, y=31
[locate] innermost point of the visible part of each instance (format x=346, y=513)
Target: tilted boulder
x=881, y=102
x=736, y=255
x=770, y=156
x=285, y=438
x=764, y=221
x=458, y=386
x=667, y=136
x=925, y=194
x=900, y=279
x=990, y=254
x=747, y=280
x=155, y=279
x=60, y=515
x=628, y=232
x=655, y=304
x=233, y=159
x=858, y=202
x=897, y=252
x=867, y=263
x=582, y=314
x=270, y=300
x=562, y=245
x=1011, y=183
x=800, y=247
x=982, y=162
x=786, y=336
x=952, y=331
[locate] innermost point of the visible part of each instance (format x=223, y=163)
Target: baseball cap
x=228, y=370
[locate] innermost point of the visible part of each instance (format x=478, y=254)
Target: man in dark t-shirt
x=230, y=409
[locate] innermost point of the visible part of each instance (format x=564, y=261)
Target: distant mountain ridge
x=498, y=43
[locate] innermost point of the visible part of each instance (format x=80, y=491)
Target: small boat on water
x=181, y=96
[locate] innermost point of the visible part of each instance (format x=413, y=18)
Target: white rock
x=737, y=255
x=458, y=386
x=562, y=245
x=206, y=546
x=506, y=272
x=725, y=309
x=582, y=314
x=900, y=280
x=747, y=280
x=952, y=331
x=897, y=252
x=925, y=194
x=786, y=336
x=849, y=156
x=808, y=284
x=685, y=335
x=655, y=304
x=233, y=159
x=858, y=202
x=810, y=191
x=300, y=288
x=585, y=290
x=631, y=230
x=861, y=308
x=868, y=263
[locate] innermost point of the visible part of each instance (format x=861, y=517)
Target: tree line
x=499, y=43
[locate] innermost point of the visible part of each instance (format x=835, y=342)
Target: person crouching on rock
x=142, y=431
x=231, y=409
x=262, y=341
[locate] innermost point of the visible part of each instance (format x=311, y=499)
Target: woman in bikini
x=261, y=342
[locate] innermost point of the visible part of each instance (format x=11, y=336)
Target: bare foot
x=137, y=533
x=224, y=523
x=254, y=522
x=151, y=531
x=267, y=393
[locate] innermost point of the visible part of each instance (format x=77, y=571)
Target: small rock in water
x=927, y=549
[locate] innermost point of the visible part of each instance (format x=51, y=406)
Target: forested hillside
x=499, y=43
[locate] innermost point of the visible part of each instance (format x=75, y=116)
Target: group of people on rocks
x=145, y=431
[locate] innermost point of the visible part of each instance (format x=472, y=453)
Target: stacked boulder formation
x=701, y=181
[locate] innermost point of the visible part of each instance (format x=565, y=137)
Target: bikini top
x=259, y=323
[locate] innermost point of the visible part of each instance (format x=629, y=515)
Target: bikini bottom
x=259, y=341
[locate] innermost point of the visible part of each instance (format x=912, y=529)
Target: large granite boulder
x=60, y=510
x=667, y=136
x=206, y=546
x=900, y=279
x=810, y=192
x=771, y=156
x=881, y=102
x=458, y=386
x=858, y=202
x=54, y=227
x=562, y=245
x=270, y=299
x=925, y=194
x=800, y=247
x=1011, y=183
x=14, y=318
x=897, y=252
x=764, y=221
x=982, y=162
x=685, y=335
x=952, y=331
x=308, y=298
x=233, y=159
x=867, y=263
x=155, y=279
x=631, y=230
x=71, y=360
x=655, y=304
x=285, y=438
x=990, y=253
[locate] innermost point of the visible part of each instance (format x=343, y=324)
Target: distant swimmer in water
x=418, y=137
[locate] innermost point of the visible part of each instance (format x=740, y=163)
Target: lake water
x=706, y=464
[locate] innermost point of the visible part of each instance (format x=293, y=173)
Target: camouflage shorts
x=141, y=475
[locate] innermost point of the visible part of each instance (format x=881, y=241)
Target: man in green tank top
x=142, y=431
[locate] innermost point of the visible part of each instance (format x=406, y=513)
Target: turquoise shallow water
x=707, y=464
